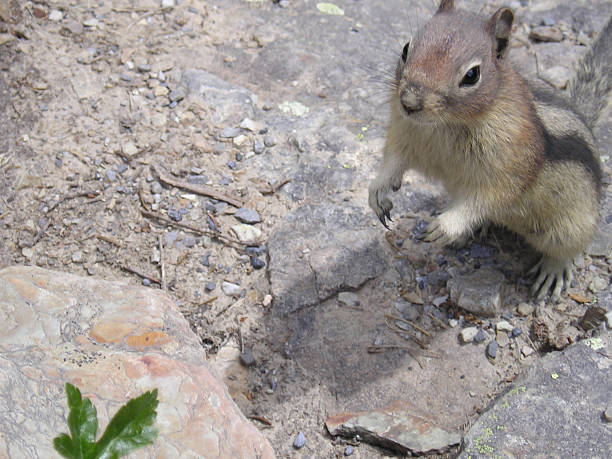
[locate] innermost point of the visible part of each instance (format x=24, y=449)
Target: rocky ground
x=221, y=151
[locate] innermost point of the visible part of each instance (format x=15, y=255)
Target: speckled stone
x=114, y=341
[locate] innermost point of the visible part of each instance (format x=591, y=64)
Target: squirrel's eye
x=405, y=52
x=471, y=77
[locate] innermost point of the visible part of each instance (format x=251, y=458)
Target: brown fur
x=489, y=143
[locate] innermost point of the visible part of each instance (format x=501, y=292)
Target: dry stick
x=138, y=273
x=203, y=190
x=193, y=229
x=81, y=194
x=274, y=189
x=403, y=333
x=161, y=262
x=40, y=233
x=438, y=321
x=261, y=419
x=110, y=240
x=383, y=348
x=392, y=317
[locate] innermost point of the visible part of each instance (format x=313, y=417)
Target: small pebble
x=146, y=282
x=453, y=323
x=525, y=309
x=77, y=257
x=267, y=301
x=598, y=284
x=515, y=332
x=300, y=441
x=247, y=358
x=210, y=286
x=348, y=451
x=246, y=215
x=269, y=141
x=174, y=215
x=231, y=164
x=248, y=124
x=177, y=95
x=480, y=336
x=439, y=300
x=492, y=349
x=258, y=147
x=121, y=168
x=608, y=317
x=468, y=334
x=56, y=16
x=257, y=263
x=607, y=414
x=239, y=140
x=504, y=325
x=111, y=175
x=205, y=262
x=527, y=351
x=229, y=133
x=502, y=339
x=231, y=289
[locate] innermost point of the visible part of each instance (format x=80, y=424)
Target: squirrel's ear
x=446, y=5
x=500, y=26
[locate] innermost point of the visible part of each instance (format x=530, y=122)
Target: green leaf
x=130, y=428
x=82, y=420
x=63, y=444
x=83, y=425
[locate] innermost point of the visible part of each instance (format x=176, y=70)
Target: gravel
x=300, y=441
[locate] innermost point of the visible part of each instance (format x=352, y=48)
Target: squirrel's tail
x=590, y=88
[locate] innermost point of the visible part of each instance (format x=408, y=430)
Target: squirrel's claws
x=382, y=220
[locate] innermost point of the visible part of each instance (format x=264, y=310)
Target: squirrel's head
x=451, y=70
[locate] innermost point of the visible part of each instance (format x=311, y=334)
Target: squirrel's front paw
x=381, y=205
x=443, y=230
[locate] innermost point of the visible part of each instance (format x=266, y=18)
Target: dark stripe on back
x=572, y=148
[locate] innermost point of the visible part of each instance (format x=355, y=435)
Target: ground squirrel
x=506, y=153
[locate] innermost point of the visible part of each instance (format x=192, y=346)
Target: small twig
x=385, y=347
x=227, y=239
x=208, y=301
x=161, y=262
x=203, y=190
x=225, y=309
x=144, y=151
x=144, y=16
x=403, y=333
x=40, y=233
x=261, y=419
x=240, y=340
x=110, y=240
x=87, y=194
x=138, y=273
x=438, y=321
x=274, y=189
x=412, y=324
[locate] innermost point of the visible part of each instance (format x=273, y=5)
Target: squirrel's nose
x=411, y=100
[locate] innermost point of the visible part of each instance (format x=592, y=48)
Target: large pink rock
x=113, y=341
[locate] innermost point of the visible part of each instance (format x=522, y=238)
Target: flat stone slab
x=479, y=292
x=319, y=250
x=394, y=427
x=113, y=341
x=555, y=409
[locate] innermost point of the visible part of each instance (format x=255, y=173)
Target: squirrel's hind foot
x=551, y=272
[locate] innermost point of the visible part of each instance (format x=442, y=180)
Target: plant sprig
x=129, y=429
